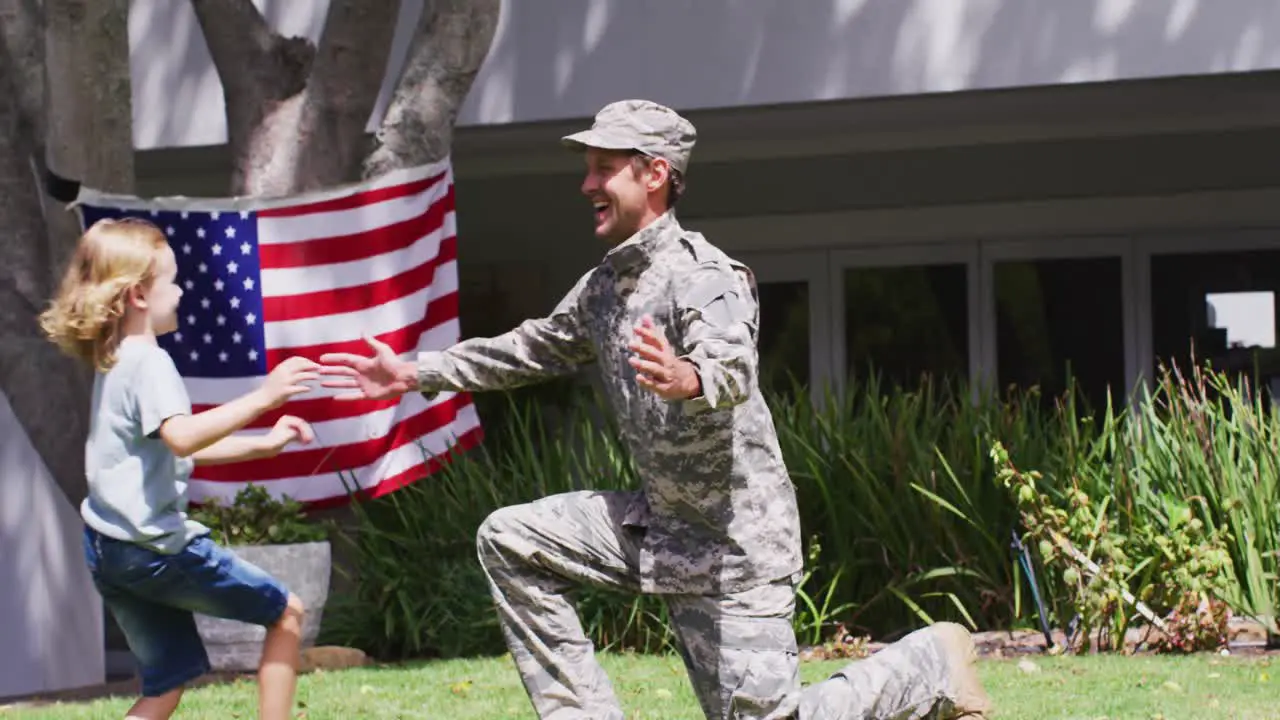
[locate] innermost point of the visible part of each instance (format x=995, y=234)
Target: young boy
x=153, y=565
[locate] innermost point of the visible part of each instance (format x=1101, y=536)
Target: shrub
x=254, y=517
x=419, y=588
x=904, y=507
x=1114, y=563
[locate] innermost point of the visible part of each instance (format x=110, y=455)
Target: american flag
x=266, y=279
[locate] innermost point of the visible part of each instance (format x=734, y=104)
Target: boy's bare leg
x=278, y=671
x=155, y=708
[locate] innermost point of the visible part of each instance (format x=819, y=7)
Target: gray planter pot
x=304, y=568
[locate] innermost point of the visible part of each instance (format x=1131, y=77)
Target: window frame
x=914, y=255
x=810, y=268
x=1062, y=248
x=1203, y=242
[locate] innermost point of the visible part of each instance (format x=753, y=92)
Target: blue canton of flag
x=220, y=324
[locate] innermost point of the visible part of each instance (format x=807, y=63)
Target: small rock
x=1245, y=631
x=1028, y=667
x=332, y=657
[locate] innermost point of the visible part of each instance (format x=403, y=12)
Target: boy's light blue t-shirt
x=137, y=486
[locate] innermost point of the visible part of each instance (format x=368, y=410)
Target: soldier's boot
x=928, y=675
x=966, y=698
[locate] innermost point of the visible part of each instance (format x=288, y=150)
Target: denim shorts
x=153, y=596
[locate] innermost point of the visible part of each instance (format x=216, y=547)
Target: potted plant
x=275, y=535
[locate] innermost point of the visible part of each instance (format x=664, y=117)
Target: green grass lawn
x=655, y=688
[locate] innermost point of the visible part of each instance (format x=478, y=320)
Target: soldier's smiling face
x=624, y=191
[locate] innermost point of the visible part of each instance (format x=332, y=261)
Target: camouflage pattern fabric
x=644, y=125
x=717, y=502
x=738, y=648
x=714, y=529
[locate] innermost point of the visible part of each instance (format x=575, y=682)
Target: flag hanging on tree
x=266, y=279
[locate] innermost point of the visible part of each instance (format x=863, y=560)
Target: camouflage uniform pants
x=739, y=648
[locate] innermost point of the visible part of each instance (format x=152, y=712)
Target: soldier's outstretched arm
x=718, y=319
x=535, y=350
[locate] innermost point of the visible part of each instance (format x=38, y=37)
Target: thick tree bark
x=262, y=75
x=22, y=25
x=73, y=113
x=350, y=64
x=450, y=45
x=24, y=255
x=295, y=112
x=89, y=136
x=88, y=102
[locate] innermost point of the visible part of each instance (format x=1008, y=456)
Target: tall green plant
x=899, y=491
x=1113, y=562
x=420, y=590
x=1211, y=439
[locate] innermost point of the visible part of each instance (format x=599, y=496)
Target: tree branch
x=262, y=74
x=48, y=394
x=22, y=38
x=450, y=45
x=88, y=92
x=251, y=57
x=346, y=77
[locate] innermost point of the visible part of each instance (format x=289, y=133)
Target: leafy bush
x=1178, y=498
x=905, y=509
x=1217, y=443
x=420, y=590
x=1113, y=562
x=897, y=487
x=254, y=517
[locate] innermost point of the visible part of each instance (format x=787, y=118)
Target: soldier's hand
x=657, y=367
x=382, y=376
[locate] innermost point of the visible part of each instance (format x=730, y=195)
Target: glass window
x=907, y=322
x=784, y=335
x=1060, y=319
x=1219, y=308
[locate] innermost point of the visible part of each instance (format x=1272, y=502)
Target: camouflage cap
x=653, y=129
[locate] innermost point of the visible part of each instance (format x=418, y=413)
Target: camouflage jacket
x=717, y=502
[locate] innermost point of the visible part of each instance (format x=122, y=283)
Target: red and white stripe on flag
x=306, y=275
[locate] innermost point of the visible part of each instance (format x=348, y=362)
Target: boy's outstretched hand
x=286, y=430
x=288, y=379
x=373, y=378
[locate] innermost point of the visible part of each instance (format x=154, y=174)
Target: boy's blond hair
x=111, y=258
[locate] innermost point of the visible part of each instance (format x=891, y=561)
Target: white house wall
x=563, y=59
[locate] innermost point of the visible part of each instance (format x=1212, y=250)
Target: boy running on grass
x=153, y=565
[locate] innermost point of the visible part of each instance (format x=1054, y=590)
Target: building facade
x=998, y=191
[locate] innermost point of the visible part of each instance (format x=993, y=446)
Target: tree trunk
x=297, y=112
x=89, y=100
x=68, y=67
x=450, y=45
